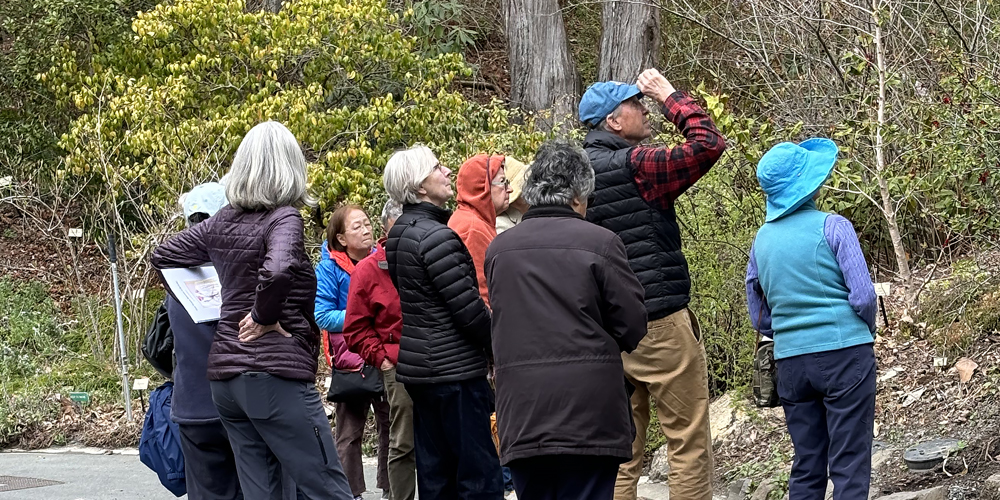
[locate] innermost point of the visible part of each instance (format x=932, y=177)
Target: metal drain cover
x=11, y=483
x=930, y=454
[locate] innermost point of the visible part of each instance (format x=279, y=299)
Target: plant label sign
x=76, y=232
x=140, y=384
x=883, y=289
x=80, y=398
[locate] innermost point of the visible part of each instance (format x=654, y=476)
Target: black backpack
x=158, y=346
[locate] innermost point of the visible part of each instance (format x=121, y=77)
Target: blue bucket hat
x=205, y=198
x=602, y=98
x=790, y=174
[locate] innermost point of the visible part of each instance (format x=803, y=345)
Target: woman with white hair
x=566, y=305
x=445, y=345
x=262, y=363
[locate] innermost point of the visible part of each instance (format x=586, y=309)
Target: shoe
x=359, y=497
x=385, y=494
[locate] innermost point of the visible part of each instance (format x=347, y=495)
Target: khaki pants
x=669, y=366
x=402, y=460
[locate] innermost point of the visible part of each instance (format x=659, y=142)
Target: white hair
x=391, y=211
x=268, y=171
x=406, y=170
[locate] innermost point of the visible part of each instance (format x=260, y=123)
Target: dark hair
x=197, y=217
x=338, y=225
x=561, y=172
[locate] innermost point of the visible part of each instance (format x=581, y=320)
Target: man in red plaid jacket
x=635, y=190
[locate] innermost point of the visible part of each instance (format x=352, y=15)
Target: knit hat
x=207, y=198
x=790, y=174
x=516, y=173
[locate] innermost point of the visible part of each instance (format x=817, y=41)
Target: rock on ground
x=938, y=493
x=739, y=489
x=764, y=490
x=991, y=488
x=659, y=468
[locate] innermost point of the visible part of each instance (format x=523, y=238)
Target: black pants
x=209, y=465
x=565, y=477
x=456, y=458
x=279, y=424
x=829, y=403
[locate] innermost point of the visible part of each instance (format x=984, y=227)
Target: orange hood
x=473, y=185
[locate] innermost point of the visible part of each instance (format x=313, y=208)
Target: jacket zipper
x=319, y=441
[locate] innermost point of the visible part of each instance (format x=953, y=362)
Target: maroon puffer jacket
x=264, y=270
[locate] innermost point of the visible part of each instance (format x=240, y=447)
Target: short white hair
x=268, y=171
x=391, y=211
x=406, y=170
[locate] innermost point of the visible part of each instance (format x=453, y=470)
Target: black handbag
x=765, y=372
x=158, y=345
x=365, y=383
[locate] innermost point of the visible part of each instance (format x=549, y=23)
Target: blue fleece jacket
x=805, y=287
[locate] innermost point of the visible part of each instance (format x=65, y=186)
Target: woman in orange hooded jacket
x=483, y=191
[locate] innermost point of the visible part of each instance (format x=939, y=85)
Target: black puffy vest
x=652, y=237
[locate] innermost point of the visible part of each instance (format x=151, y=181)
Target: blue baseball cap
x=602, y=98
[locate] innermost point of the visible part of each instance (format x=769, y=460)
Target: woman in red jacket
x=372, y=329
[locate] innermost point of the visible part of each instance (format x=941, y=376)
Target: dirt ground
x=916, y=402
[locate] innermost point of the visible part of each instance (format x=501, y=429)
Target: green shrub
x=29, y=123
x=168, y=110
x=25, y=413
x=29, y=333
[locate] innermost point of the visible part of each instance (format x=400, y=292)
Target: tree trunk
x=273, y=6
x=630, y=41
x=888, y=204
x=542, y=72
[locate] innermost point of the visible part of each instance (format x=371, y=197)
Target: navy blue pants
x=209, y=465
x=565, y=477
x=829, y=403
x=456, y=458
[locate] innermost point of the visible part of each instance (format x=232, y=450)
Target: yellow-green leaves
x=169, y=109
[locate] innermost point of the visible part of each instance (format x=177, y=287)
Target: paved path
x=91, y=474
x=86, y=474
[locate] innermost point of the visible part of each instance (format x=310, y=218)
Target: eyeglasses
x=505, y=183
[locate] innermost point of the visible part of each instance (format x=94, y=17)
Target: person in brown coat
x=565, y=306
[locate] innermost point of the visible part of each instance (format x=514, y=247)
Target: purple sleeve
x=843, y=240
x=285, y=247
x=756, y=302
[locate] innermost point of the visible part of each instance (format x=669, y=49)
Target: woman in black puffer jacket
x=445, y=344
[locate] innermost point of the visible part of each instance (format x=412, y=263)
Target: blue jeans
x=508, y=483
x=829, y=403
x=456, y=458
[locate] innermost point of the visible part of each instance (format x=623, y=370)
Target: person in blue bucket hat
x=808, y=288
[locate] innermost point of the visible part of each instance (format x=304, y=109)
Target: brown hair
x=337, y=224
